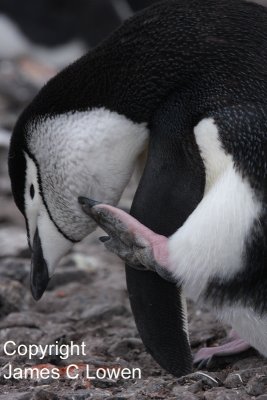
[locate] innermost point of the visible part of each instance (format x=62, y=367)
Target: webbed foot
x=209, y=356
x=129, y=239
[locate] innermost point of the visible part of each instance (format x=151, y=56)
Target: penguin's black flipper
x=171, y=187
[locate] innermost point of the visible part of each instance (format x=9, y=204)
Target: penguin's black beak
x=39, y=269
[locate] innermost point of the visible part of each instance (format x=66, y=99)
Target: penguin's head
x=54, y=159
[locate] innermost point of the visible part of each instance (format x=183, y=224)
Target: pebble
x=233, y=380
x=44, y=395
x=257, y=385
x=125, y=346
x=79, y=395
x=13, y=242
x=208, y=379
x=16, y=396
x=100, y=312
x=186, y=396
x=17, y=269
x=11, y=293
x=65, y=276
x=225, y=394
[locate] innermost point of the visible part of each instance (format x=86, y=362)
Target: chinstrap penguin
x=186, y=80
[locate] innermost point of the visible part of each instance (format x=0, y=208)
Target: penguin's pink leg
x=129, y=239
x=206, y=355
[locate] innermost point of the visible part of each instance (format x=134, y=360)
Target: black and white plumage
x=188, y=77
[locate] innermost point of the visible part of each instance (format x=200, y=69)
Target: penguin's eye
x=32, y=191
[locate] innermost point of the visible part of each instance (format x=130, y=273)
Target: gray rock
x=79, y=395
x=11, y=294
x=104, y=311
x=125, y=346
x=249, y=363
x=68, y=275
x=17, y=269
x=257, y=385
x=233, y=380
x=13, y=242
x=196, y=387
x=95, y=394
x=186, y=396
x=19, y=335
x=249, y=373
x=44, y=395
x=182, y=393
x=225, y=394
x=16, y=396
x=208, y=379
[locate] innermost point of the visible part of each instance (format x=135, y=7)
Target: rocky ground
x=87, y=302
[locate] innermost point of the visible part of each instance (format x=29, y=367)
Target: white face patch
x=54, y=244
x=92, y=154
x=32, y=205
x=211, y=242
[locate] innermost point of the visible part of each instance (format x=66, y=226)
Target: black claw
x=85, y=201
x=213, y=362
x=104, y=239
x=202, y=364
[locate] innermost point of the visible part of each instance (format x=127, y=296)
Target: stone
x=105, y=311
x=16, y=396
x=186, y=396
x=44, y=395
x=13, y=242
x=11, y=293
x=17, y=269
x=225, y=394
x=257, y=385
x=233, y=380
x=208, y=379
x=125, y=346
x=67, y=275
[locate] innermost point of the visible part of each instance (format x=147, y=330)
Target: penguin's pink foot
x=129, y=239
x=207, y=356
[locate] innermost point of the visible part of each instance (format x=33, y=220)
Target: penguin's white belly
x=212, y=241
x=249, y=326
